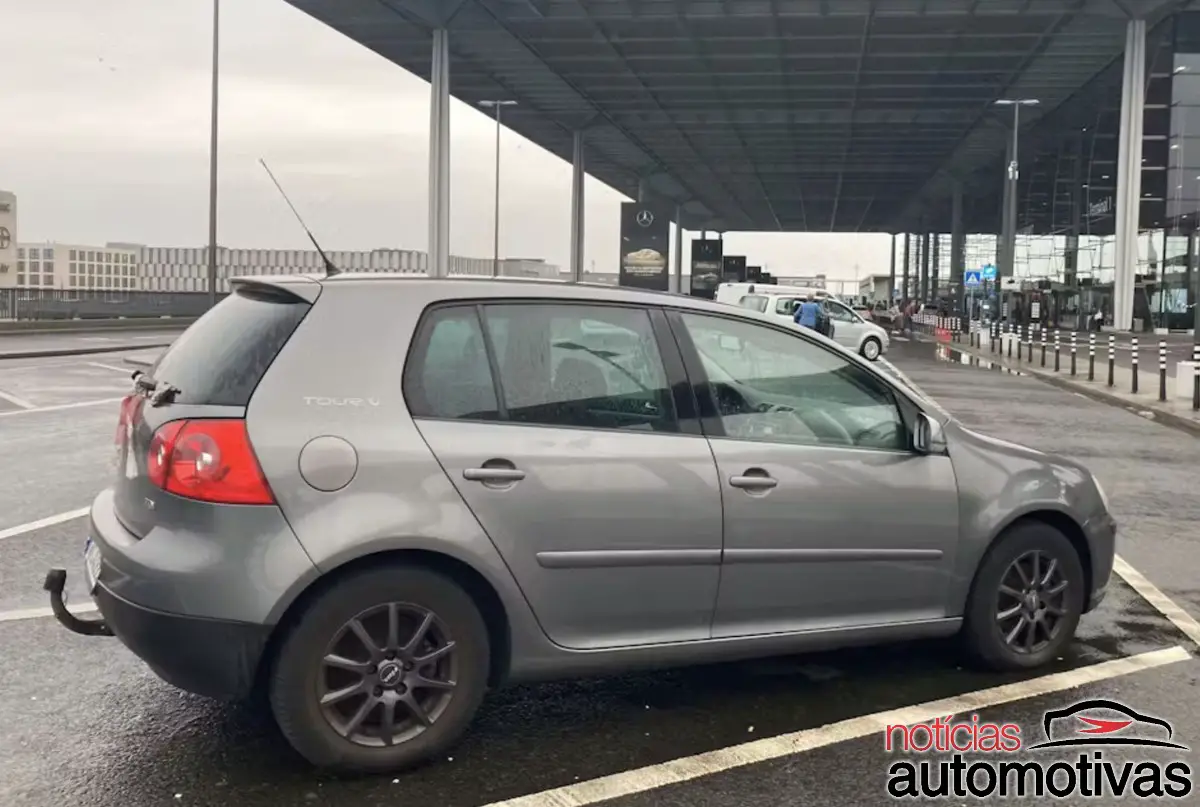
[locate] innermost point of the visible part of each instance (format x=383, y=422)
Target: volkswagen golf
x=371, y=499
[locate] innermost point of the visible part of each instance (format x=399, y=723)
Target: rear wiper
x=157, y=392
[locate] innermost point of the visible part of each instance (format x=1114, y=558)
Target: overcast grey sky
x=104, y=137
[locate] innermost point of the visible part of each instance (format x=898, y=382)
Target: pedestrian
x=808, y=314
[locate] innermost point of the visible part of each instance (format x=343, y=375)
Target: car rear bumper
x=211, y=657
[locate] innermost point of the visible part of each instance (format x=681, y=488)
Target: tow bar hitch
x=56, y=581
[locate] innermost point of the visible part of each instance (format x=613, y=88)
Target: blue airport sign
x=989, y=272
x=972, y=279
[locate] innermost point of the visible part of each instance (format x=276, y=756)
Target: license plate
x=91, y=565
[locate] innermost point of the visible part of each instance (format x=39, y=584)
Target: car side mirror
x=929, y=436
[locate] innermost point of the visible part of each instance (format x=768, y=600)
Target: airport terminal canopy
x=793, y=115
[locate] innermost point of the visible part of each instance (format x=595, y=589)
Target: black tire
x=982, y=635
x=878, y=348
x=297, y=670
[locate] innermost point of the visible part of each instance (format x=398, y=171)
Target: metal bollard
x=1091, y=357
x=1112, y=358
x=1074, y=347
x=1029, y=334
x=1044, y=338
x=1162, y=370
x=1134, y=361
x=1057, y=349
x=1196, y=380
x=993, y=330
x=1012, y=335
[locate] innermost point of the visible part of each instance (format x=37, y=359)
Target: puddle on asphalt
x=955, y=356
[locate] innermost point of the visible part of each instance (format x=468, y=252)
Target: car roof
x=467, y=287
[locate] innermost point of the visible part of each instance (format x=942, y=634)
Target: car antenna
x=330, y=269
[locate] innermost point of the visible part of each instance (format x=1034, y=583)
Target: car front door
x=847, y=327
x=574, y=455
x=831, y=519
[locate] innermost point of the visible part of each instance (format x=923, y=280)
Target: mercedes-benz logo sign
x=645, y=218
x=5, y=238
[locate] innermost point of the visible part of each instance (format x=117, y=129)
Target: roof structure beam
x=863, y=44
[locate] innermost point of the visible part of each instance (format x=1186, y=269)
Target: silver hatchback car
x=373, y=498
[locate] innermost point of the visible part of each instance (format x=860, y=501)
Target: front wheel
x=384, y=670
x=1026, y=601
x=871, y=348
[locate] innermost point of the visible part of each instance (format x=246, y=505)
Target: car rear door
x=570, y=432
x=831, y=520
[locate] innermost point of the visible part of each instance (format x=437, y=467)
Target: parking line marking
x=42, y=523
x=42, y=613
x=15, y=401
x=124, y=370
x=1151, y=593
x=653, y=777
x=59, y=407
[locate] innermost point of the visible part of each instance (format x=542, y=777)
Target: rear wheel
x=871, y=348
x=1026, y=600
x=384, y=670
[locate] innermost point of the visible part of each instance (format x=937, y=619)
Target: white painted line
x=15, y=401
x=41, y=523
x=42, y=613
x=676, y=771
x=1178, y=617
x=114, y=368
x=60, y=407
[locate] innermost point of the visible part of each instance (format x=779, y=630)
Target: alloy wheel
x=1031, y=605
x=388, y=675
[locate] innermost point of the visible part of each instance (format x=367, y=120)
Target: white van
x=850, y=329
x=732, y=293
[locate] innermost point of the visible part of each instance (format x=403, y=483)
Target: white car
x=850, y=329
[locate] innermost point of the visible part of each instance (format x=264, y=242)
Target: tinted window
x=222, y=357
x=580, y=366
x=448, y=374
x=769, y=385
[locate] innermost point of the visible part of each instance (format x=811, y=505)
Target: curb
x=77, y=351
x=1161, y=415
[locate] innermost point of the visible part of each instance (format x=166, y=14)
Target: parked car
x=372, y=498
x=848, y=328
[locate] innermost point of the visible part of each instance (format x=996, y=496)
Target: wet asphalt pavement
x=86, y=723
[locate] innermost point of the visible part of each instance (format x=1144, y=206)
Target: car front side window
x=779, y=387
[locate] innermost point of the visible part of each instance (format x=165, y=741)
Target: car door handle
x=753, y=479
x=493, y=474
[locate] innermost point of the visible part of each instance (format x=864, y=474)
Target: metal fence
x=27, y=304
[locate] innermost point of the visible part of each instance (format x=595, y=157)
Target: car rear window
x=222, y=357
x=755, y=302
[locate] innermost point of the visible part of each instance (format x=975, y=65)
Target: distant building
x=53, y=265
x=8, y=239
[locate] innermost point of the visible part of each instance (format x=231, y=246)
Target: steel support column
x=439, y=156
x=1006, y=252
x=923, y=286
x=577, y=222
x=891, y=286
x=934, y=265
x=904, y=276
x=958, y=244
x=1129, y=173
x=678, y=250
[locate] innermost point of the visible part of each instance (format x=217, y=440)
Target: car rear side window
x=581, y=366
x=222, y=357
x=448, y=375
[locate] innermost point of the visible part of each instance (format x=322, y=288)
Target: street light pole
x=1009, y=237
x=212, y=159
x=496, y=105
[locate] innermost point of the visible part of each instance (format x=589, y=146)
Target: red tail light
x=207, y=460
x=130, y=408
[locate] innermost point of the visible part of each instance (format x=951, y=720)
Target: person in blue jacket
x=808, y=314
